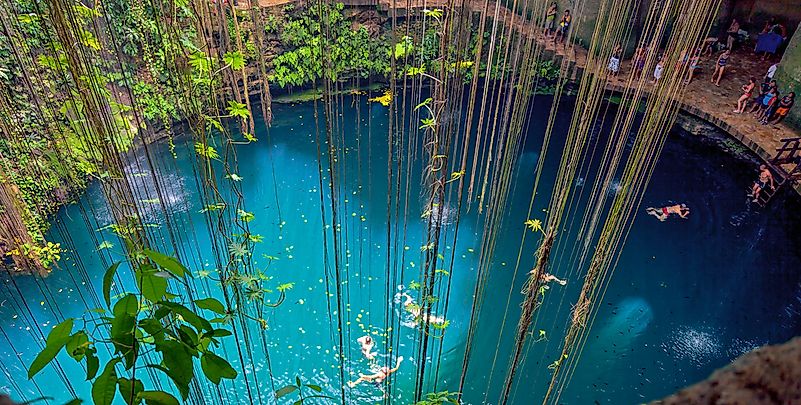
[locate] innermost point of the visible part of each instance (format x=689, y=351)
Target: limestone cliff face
x=789, y=76
x=768, y=375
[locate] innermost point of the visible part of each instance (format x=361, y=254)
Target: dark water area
x=686, y=298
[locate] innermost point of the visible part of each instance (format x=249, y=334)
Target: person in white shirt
x=771, y=72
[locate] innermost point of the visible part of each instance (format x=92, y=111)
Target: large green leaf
x=189, y=316
x=183, y=389
x=234, y=59
x=236, y=109
x=129, y=390
x=152, y=287
x=105, y=386
x=158, y=398
x=92, y=363
x=56, y=339
x=285, y=391
x=216, y=368
x=122, y=328
x=212, y=304
x=77, y=345
x=108, y=278
x=178, y=360
x=168, y=263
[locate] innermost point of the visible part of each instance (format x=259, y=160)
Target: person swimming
x=663, y=213
x=367, y=344
x=378, y=377
x=415, y=310
x=548, y=277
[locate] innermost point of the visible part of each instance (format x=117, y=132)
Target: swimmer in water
x=367, y=344
x=414, y=309
x=548, y=277
x=663, y=213
x=378, y=377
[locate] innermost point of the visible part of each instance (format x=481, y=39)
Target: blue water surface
x=686, y=298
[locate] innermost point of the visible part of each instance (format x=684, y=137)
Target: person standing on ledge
x=695, y=64
x=765, y=179
x=564, y=28
x=771, y=72
x=723, y=59
x=550, y=20
x=732, y=33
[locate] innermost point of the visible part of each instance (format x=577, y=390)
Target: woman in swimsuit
x=723, y=59
x=550, y=17
x=663, y=213
x=694, y=65
x=748, y=91
x=733, y=32
x=378, y=377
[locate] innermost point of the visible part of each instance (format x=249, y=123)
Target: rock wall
x=789, y=77
x=753, y=14
x=768, y=375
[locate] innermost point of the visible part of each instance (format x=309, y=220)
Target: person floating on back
x=378, y=377
x=663, y=213
x=765, y=179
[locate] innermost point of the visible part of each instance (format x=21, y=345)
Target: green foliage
x=299, y=387
x=440, y=398
x=350, y=53
x=150, y=320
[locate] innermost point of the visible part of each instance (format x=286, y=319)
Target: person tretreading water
x=663, y=213
x=367, y=343
x=378, y=377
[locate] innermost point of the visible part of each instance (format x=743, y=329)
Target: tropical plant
x=152, y=321
x=347, y=52
x=298, y=387
x=440, y=398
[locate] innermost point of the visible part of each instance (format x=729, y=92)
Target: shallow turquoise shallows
x=687, y=296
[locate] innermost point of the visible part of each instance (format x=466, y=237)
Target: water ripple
x=697, y=345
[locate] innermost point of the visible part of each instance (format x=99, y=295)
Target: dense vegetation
x=151, y=75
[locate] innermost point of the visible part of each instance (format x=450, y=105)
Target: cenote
x=686, y=297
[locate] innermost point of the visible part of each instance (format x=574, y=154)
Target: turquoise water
x=686, y=298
